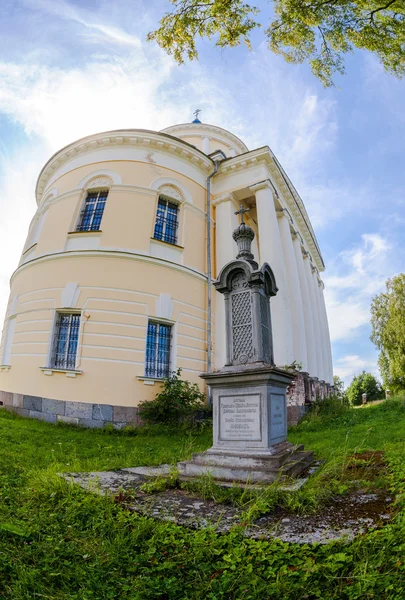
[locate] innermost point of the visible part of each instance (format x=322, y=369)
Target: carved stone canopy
x=246, y=271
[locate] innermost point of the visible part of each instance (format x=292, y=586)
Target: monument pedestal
x=250, y=428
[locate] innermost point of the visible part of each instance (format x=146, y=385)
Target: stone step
x=300, y=464
x=253, y=460
x=269, y=474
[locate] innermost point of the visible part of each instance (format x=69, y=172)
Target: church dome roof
x=219, y=138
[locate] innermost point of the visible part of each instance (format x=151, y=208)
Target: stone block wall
x=77, y=413
x=302, y=392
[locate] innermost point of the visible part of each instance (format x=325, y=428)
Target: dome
x=208, y=138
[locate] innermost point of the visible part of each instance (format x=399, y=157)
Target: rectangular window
x=158, y=350
x=92, y=213
x=166, y=221
x=65, y=341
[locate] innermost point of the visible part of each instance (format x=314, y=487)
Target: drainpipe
x=209, y=270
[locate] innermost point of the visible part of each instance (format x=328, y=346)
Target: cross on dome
x=196, y=113
x=242, y=212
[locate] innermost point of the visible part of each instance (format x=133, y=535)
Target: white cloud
x=348, y=366
x=67, y=11
x=363, y=258
x=351, y=282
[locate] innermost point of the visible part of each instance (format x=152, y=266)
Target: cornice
x=123, y=138
x=118, y=253
x=262, y=185
x=294, y=202
x=193, y=129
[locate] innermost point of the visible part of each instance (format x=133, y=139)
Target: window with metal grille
x=166, y=221
x=92, y=213
x=65, y=341
x=158, y=350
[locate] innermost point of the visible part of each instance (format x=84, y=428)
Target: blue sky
x=69, y=68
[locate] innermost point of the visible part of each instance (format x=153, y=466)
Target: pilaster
x=307, y=308
x=315, y=315
x=225, y=248
x=271, y=251
x=328, y=349
x=294, y=292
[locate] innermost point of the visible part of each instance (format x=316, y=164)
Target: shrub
x=178, y=401
x=326, y=410
x=365, y=383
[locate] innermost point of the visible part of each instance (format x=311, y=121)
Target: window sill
x=91, y=232
x=150, y=380
x=167, y=243
x=5, y=368
x=67, y=372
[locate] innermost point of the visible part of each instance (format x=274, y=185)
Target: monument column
x=271, y=251
x=249, y=393
x=318, y=338
x=294, y=293
x=307, y=308
x=225, y=223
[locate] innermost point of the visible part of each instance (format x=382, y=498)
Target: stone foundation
x=302, y=392
x=76, y=413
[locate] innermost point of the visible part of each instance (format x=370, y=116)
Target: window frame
x=164, y=238
x=158, y=372
x=82, y=212
x=52, y=359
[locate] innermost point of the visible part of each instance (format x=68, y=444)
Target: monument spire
x=244, y=236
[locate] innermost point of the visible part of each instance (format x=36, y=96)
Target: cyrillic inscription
x=239, y=418
x=277, y=416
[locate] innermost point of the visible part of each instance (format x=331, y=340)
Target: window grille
x=91, y=215
x=65, y=341
x=158, y=350
x=166, y=221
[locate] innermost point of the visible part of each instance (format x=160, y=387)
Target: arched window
x=92, y=212
x=93, y=208
x=167, y=220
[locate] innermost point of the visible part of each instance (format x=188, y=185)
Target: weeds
x=60, y=543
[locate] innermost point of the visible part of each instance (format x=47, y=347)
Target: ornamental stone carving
x=99, y=182
x=171, y=192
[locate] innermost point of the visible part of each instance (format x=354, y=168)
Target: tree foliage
x=365, y=383
x=319, y=32
x=388, y=332
x=340, y=392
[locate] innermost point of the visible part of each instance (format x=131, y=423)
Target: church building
x=114, y=290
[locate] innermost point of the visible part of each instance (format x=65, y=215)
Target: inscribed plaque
x=277, y=416
x=240, y=418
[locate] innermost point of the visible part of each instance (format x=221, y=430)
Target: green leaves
x=179, y=401
x=318, y=32
x=388, y=332
x=365, y=383
x=230, y=20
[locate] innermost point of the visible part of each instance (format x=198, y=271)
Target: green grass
x=59, y=542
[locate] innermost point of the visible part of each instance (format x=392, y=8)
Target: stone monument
x=249, y=392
